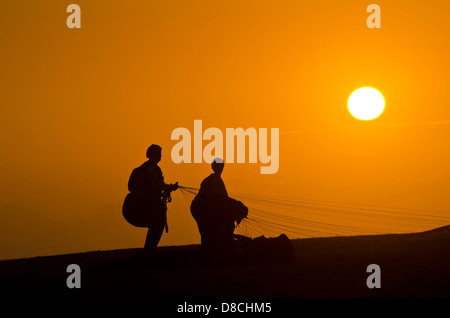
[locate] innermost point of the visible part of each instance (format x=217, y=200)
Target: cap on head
x=217, y=165
x=153, y=150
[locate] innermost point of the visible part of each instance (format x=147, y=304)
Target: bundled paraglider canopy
x=217, y=216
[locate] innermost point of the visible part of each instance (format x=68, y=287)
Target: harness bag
x=272, y=249
x=129, y=210
x=141, y=209
x=136, y=181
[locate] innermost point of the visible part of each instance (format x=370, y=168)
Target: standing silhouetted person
x=146, y=204
x=215, y=212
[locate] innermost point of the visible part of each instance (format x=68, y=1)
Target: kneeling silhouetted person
x=216, y=213
x=146, y=204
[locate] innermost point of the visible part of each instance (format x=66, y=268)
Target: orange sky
x=79, y=107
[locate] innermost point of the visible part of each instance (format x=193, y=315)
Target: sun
x=366, y=103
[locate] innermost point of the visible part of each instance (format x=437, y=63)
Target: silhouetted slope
x=412, y=265
x=438, y=230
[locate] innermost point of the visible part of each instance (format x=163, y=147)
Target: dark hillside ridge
x=412, y=265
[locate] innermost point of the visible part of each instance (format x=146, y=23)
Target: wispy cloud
x=401, y=124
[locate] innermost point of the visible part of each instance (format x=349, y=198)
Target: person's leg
x=226, y=239
x=154, y=234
